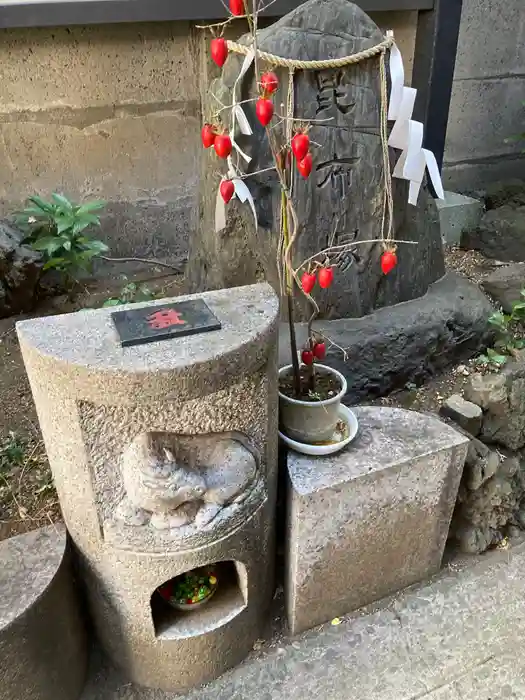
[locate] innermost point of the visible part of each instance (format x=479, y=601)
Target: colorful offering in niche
x=190, y=589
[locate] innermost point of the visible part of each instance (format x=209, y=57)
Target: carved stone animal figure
x=192, y=481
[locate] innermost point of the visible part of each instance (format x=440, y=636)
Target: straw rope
x=315, y=65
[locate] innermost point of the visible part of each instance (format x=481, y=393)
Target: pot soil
x=313, y=417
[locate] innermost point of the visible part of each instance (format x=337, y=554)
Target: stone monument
x=164, y=457
x=339, y=203
x=343, y=198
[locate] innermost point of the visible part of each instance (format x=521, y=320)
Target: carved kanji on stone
x=342, y=201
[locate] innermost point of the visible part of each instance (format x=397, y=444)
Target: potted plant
x=310, y=393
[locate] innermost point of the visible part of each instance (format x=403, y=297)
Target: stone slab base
x=408, y=342
x=372, y=519
x=458, y=213
x=42, y=641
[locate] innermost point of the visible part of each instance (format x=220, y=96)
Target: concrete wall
x=113, y=112
x=489, y=88
x=105, y=111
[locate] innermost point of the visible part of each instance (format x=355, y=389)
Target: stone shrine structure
x=342, y=200
x=165, y=459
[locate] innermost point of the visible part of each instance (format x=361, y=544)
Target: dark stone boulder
x=20, y=269
x=505, y=285
x=500, y=235
x=510, y=192
x=404, y=343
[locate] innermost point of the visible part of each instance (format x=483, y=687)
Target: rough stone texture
x=489, y=71
x=465, y=413
x=404, y=343
x=490, y=499
x=457, y=638
x=457, y=213
x=372, y=519
x=510, y=192
x=346, y=183
x=43, y=654
x=481, y=464
x=505, y=285
x=131, y=118
x=93, y=399
x=20, y=269
x=500, y=235
x=502, y=398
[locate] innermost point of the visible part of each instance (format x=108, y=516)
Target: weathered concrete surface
x=458, y=638
x=43, y=652
x=489, y=71
x=93, y=399
x=457, y=213
x=372, y=519
x=126, y=129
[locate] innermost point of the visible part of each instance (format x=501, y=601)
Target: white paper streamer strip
x=243, y=194
x=238, y=115
x=407, y=134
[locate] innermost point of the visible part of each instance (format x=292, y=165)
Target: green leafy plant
x=507, y=341
x=57, y=229
x=130, y=294
x=13, y=450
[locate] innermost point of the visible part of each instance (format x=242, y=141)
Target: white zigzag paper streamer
x=407, y=134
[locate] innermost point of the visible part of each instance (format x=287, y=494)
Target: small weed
x=508, y=340
x=131, y=293
x=13, y=451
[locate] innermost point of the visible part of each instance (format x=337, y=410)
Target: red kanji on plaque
x=165, y=319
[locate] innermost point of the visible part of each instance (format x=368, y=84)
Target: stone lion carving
x=171, y=480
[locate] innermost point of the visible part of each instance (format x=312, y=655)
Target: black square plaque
x=153, y=323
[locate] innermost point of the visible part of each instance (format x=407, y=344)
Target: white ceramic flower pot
x=310, y=421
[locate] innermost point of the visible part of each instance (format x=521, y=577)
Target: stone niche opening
x=228, y=601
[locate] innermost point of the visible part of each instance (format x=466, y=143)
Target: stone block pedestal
x=372, y=519
x=43, y=644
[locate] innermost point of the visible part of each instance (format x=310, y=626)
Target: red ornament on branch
x=320, y=351
x=307, y=357
x=208, y=136
x=388, y=261
x=227, y=190
x=219, y=51
x=304, y=166
x=326, y=277
x=300, y=146
x=237, y=7
x=269, y=82
x=308, y=282
x=223, y=145
x=264, y=110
